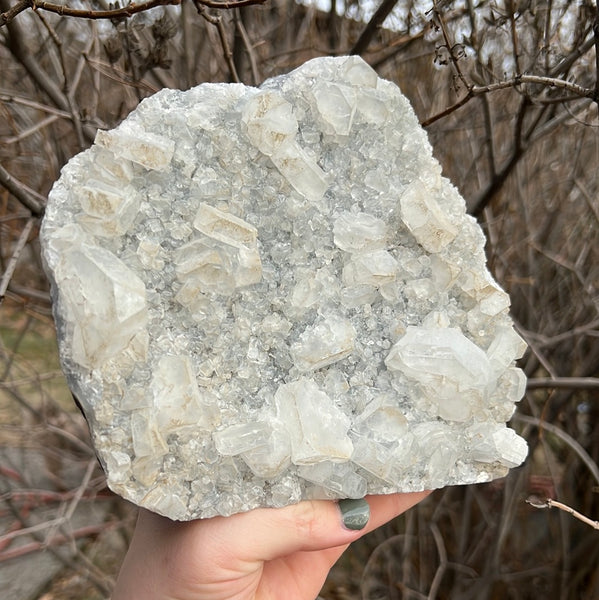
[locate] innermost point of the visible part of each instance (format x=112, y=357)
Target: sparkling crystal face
x=264, y=295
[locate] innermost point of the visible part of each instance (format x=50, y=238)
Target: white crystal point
x=269, y=122
x=225, y=228
x=338, y=478
x=271, y=127
x=268, y=295
x=328, y=341
x=505, y=347
x=316, y=427
x=455, y=374
x=105, y=300
x=422, y=215
x=152, y=151
x=433, y=356
x=272, y=458
x=242, y=437
x=108, y=211
x=301, y=171
x=359, y=232
x=374, y=268
x=493, y=443
x=225, y=257
x=177, y=399
x=336, y=104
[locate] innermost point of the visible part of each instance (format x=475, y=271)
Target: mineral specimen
x=264, y=295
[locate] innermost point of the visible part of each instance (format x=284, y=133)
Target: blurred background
x=508, y=92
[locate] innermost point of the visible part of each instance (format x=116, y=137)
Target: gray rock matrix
x=270, y=294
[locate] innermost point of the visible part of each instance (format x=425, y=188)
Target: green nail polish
x=355, y=513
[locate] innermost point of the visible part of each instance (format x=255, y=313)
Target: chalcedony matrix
x=269, y=294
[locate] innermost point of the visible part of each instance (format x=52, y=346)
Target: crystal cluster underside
x=269, y=294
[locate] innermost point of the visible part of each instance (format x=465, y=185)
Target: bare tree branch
x=115, y=13
x=25, y=195
x=372, y=26
x=569, y=383
x=567, y=438
x=11, y=13
x=450, y=46
x=596, y=38
x=14, y=259
x=217, y=21
x=549, y=503
x=564, y=65
x=247, y=44
x=547, y=82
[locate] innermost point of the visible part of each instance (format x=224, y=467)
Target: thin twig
x=14, y=259
x=217, y=21
x=9, y=98
x=58, y=374
x=596, y=38
x=11, y=13
x=115, y=13
x=568, y=383
x=549, y=503
x=65, y=86
x=15, y=139
x=432, y=594
x=248, y=47
x=515, y=45
x=23, y=193
x=59, y=540
x=372, y=26
x=548, y=82
x=73, y=439
x=566, y=63
x=450, y=46
x=590, y=329
x=565, y=437
x=74, y=502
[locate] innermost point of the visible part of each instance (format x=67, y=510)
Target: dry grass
x=525, y=158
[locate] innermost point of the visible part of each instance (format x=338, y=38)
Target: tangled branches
x=117, y=12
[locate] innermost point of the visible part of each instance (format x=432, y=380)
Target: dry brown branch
x=440, y=572
x=217, y=21
x=578, y=91
x=66, y=86
x=565, y=437
x=514, y=35
x=375, y=23
x=57, y=540
x=68, y=509
x=115, y=13
x=31, y=130
x=24, y=194
x=596, y=40
x=549, y=503
x=452, y=49
x=247, y=44
x=590, y=329
x=9, y=98
x=14, y=259
x=567, y=383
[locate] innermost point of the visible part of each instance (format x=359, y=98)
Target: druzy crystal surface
x=269, y=294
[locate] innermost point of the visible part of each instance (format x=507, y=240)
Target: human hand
x=264, y=554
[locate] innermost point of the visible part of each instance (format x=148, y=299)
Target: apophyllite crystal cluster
x=269, y=294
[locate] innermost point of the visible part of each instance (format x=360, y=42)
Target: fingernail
x=354, y=513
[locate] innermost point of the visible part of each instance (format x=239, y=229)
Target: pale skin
x=263, y=554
